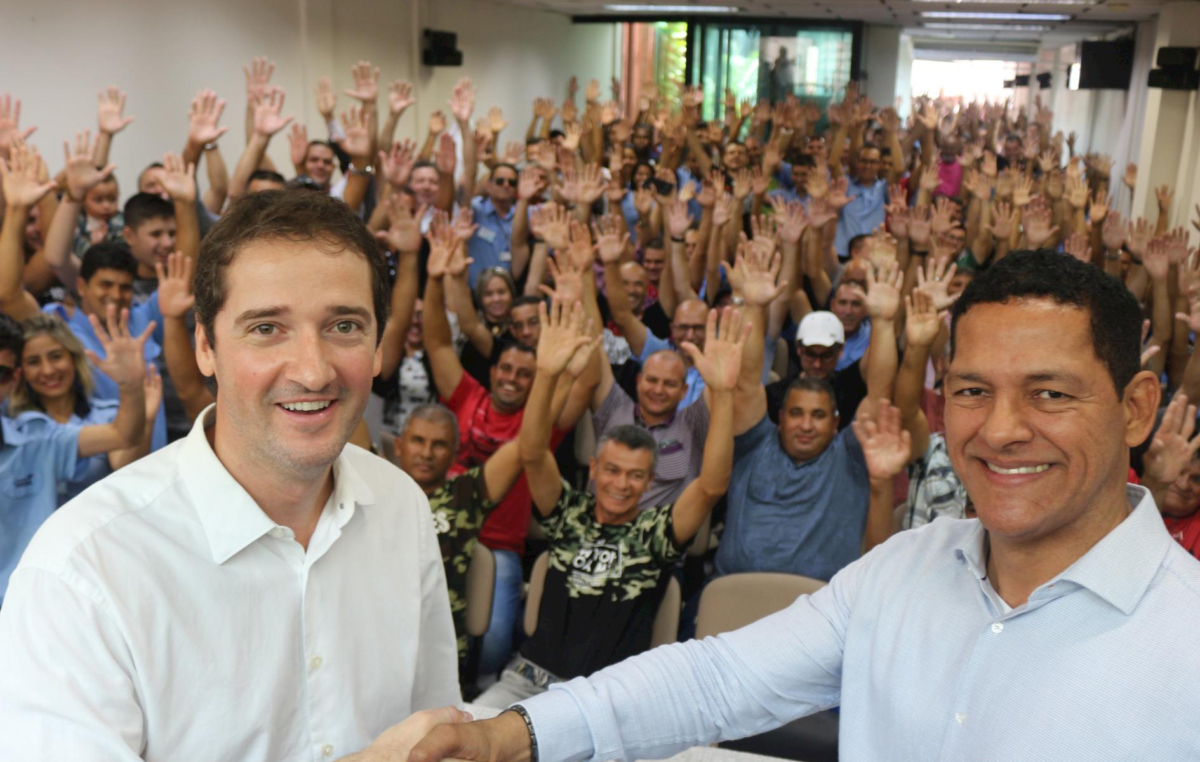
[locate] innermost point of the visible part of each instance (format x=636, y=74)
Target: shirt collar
x=230, y=517
x=1118, y=569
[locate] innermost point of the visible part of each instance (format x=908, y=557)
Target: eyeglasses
x=509, y=181
x=6, y=373
x=815, y=356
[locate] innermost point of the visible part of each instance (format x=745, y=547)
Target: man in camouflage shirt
x=608, y=560
x=426, y=450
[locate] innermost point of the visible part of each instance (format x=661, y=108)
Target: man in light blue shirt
x=491, y=246
x=868, y=197
x=1054, y=626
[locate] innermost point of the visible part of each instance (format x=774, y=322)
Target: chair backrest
x=481, y=582
x=736, y=600
x=783, y=352
x=666, y=620
x=585, y=439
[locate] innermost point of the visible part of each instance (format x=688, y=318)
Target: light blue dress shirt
x=916, y=647
x=36, y=453
x=491, y=246
x=862, y=215
x=856, y=345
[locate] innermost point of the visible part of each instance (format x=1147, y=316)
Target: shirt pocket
x=24, y=486
x=673, y=461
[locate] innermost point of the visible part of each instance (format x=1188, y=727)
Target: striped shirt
x=680, y=443
x=1097, y=664
x=934, y=489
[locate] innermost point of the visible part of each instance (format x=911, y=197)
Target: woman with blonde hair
x=56, y=381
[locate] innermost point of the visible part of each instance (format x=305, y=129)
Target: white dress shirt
x=161, y=615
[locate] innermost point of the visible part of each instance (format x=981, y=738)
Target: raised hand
x=1098, y=209
x=464, y=225
x=611, y=240
x=403, y=233
x=179, y=180
x=1077, y=246
x=356, y=125
x=757, y=269
x=110, y=111
x=1191, y=318
x=267, y=121
x=326, y=99
x=1130, y=176
x=175, y=296
x=1113, y=232
x=886, y=445
x=553, y=223
x=838, y=196
x=298, y=144
x=1077, y=192
x=923, y=319
x=123, y=360
x=10, y=124
x=678, y=219
x=82, y=174
x=721, y=361
x=561, y=336
x=1173, y=446
x=1022, y=190
x=396, y=164
x=1164, y=194
x=462, y=100
x=22, y=186
x=442, y=244
x=366, y=82
x=400, y=96
x=743, y=183
x=818, y=180
x=920, y=227
x=1155, y=259
x=792, y=217
x=204, y=117
x=1037, y=225
x=258, y=78
x=568, y=279
x=883, y=291
x=446, y=159
x=1138, y=235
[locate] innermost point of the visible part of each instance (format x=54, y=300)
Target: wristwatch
x=533, y=746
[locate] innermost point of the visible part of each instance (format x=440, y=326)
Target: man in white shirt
x=257, y=590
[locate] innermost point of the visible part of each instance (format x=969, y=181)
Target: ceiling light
x=989, y=27
x=672, y=8
x=996, y=16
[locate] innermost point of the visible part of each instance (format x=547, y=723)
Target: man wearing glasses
x=490, y=246
x=820, y=341
x=867, y=192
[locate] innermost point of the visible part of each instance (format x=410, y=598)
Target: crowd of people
x=647, y=343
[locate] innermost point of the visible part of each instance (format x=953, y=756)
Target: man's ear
x=205, y=352
x=1141, y=399
x=127, y=234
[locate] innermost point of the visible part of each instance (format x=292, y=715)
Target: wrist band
x=533, y=745
x=209, y=146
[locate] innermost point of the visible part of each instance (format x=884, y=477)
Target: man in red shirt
x=486, y=420
x=1172, y=472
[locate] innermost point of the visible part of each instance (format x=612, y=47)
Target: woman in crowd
x=483, y=315
x=56, y=381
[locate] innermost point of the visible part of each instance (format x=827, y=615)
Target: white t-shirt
x=161, y=615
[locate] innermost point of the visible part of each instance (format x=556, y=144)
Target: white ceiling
x=1089, y=18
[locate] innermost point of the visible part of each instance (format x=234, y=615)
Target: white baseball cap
x=820, y=329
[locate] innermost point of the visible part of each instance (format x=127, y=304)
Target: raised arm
x=266, y=122
x=610, y=245
x=403, y=237
x=1172, y=448
x=218, y=179
x=110, y=119
x=203, y=125
x=174, y=300
x=81, y=175
x=22, y=191
x=883, y=306
x=123, y=362
x=886, y=447
x=679, y=283
x=439, y=345
x=400, y=97
x=921, y=328
x=180, y=184
x=753, y=278
x=462, y=104
x=720, y=365
x=561, y=337
x=530, y=186
x=357, y=141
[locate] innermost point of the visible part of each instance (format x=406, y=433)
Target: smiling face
x=633, y=276
x=807, y=423
x=293, y=353
x=424, y=182
x=867, y=166
x=661, y=386
x=106, y=286
x=496, y=299
x=503, y=186
x=152, y=241
x=524, y=324
x=621, y=474
x=319, y=163
x=817, y=361
x=511, y=378
x=1035, y=429
x=654, y=260
x=850, y=306
x=426, y=451
x=48, y=367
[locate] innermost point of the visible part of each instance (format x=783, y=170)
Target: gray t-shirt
x=796, y=518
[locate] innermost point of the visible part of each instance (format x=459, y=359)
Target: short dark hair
x=524, y=300
x=804, y=160
x=268, y=175
x=654, y=243
x=423, y=164
x=504, y=165
x=287, y=215
x=817, y=385
x=633, y=437
x=507, y=341
x=533, y=141
x=557, y=133
x=1014, y=136
x=857, y=241
x=107, y=255
x=1114, y=315
x=11, y=336
x=868, y=145
x=143, y=207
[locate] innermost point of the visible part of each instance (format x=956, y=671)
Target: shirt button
x=279, y=532
x=316, y=662
x=327, y=750
x=997, y=628
x=959, y=717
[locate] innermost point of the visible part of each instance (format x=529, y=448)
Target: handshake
x=432, y=735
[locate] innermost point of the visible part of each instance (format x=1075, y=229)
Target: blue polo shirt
x=491, y=246
x=862, y=215
x=36, y=453
x=95, y=468
x=796, y=518
x=104, y=388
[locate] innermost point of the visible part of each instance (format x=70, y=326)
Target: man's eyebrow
x=1029, y=378
x=346, y=309
x=258, y=314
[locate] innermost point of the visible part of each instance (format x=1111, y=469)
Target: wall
x=880, y=60
x=58, y=54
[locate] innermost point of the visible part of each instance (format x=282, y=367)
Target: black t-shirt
x=603, y=586
x=655, y=318
x=848, y=387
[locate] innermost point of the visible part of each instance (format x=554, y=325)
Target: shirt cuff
x=563, y=733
